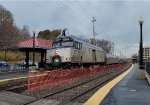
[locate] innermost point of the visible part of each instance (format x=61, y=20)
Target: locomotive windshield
x=63, y=43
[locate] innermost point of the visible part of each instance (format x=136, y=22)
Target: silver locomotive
x=69, y=51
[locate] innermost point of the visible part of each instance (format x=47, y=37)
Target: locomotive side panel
x=100, y=56
x=75, y=56
x=86, y=54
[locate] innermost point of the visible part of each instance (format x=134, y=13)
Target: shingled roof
x=39, y=43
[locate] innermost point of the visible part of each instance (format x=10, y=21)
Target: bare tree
x=83, y=38
x=47, y=34
x=24, y=32
x=9, y=36
x=9, y=33
x=105, y=45
x=5, y=15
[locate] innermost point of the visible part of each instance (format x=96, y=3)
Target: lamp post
x=141, y=66
x=33, y=48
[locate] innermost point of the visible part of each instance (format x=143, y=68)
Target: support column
x=42, y=61
x=45, y=56
x=27, y=59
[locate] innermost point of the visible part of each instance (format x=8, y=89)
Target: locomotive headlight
x=55, y=51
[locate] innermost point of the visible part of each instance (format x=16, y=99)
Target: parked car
x=4, y=64
x=23, y=63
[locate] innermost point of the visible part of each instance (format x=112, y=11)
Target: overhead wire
x=97, y=23
x=48, y=12
x=70, y=13
x=84, y=13
x=81, y=13
x=55, y=6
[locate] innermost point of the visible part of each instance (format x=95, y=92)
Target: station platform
x=13, y=75
x=129, y=91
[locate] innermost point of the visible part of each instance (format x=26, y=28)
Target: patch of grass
x=12, y=56
x=16, y=56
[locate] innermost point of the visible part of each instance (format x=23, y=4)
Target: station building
x=146, y=53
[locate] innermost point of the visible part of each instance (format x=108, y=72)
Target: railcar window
x=75, y=43
x=78, y=45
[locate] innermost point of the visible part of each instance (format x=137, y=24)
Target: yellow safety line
x=97, y=98
x=37, y=75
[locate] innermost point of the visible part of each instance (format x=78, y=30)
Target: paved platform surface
x=129, y=91
x=9, y=98
x=13, y=75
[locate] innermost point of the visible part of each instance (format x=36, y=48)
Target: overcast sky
x=116, y=21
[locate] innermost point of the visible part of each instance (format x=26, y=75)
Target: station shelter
x=40, y=46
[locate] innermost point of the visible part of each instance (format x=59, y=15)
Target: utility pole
x=94, y=29
x=120, y=54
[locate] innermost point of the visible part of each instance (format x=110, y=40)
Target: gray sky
x=116, y=21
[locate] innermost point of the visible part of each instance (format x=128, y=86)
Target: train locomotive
x=69, y=51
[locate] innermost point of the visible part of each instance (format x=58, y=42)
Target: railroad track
x=18, y=88
x=103, y=79
x=13, y=84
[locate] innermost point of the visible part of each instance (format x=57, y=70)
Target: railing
x=12, y=68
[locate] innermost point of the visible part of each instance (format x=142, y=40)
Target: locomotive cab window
x=56, y=44
x=67, y=44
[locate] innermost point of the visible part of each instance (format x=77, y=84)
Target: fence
x=42, y=80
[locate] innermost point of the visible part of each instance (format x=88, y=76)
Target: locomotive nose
x=56, y=59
